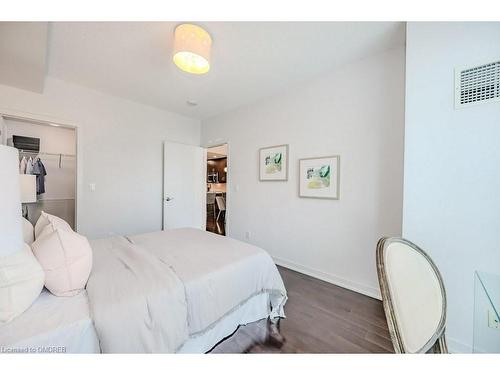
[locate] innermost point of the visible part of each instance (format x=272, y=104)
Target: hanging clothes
x=29, y=166
x=40, y=172
x=22, y=165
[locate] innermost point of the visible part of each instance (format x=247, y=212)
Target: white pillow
x=51, y=227
x=28, y=232
x=21, y=281
x=66, y=258
x=46, y=219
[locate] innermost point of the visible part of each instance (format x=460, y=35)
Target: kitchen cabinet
x=216, y=170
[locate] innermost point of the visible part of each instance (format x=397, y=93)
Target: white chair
x=211, y=201
x=221, y=205
x=413, y=296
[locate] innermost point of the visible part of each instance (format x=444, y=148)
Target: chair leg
x=441, y=344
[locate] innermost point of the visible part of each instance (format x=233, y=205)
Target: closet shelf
x=44, y=153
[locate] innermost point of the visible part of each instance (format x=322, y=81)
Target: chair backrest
x=413, y=295
x=210, y=198
x=221, y=203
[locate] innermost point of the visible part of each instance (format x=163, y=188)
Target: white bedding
x=217, y=284
x=255, y=309
x=219, y=273
x=42, y=328
x=51, y=325
x=136, y=301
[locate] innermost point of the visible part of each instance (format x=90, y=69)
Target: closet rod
x=44, y=153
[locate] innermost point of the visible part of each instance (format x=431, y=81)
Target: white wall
x=119, y=149
x=357, y=112
x=452, y=161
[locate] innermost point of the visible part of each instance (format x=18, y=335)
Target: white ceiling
x=250, y=60
x=217, y=151
x=23, y=47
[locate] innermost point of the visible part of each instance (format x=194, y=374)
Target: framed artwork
x=273, y=163
x=320, y=177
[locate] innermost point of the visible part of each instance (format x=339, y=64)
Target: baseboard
x=329, y=278
x=457, y=347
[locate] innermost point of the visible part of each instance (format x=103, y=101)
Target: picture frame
x=273, y=163
x=319, y=177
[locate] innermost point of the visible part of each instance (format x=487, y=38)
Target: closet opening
x=217, y=179
x=47, y=166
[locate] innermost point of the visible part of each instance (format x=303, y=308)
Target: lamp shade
x=11, y=237
x=28, y=188
x=192, y=47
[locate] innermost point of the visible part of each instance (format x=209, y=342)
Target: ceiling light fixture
x=192, y=47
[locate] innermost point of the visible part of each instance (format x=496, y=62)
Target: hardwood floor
x=213, y=225
x=321, y=318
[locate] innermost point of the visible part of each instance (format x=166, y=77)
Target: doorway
x=217, y=178
x=47, y=166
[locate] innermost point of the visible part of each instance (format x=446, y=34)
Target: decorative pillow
x=66, y=258
x=28, y=232
x=47, y=229
x=21, y=281
x=51, y=227
x=46, y=219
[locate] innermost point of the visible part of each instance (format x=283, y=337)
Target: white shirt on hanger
x=29, y=166
x=22, y=165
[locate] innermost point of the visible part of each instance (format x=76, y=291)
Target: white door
x=184, y=186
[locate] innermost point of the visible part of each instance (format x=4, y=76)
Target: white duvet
x=151, y=292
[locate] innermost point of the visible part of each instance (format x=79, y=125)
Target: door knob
x=168, y=199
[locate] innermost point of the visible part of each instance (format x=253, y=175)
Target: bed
x=52, y=325
x=181, y=290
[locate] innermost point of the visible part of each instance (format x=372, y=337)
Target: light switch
x=92, y=186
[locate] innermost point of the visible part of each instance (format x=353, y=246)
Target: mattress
x=51, y=325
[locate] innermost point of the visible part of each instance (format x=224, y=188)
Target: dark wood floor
x=213, y=225
x=324, y=318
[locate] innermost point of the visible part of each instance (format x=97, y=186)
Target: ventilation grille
x=26, y=143
x=479, y=84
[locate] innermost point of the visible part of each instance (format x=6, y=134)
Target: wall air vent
x=26, y=143
x=477, y=84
